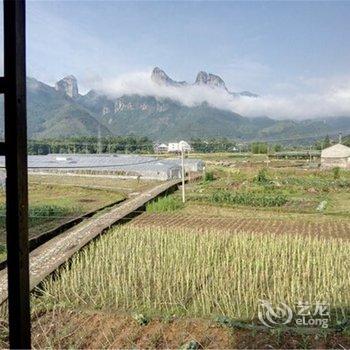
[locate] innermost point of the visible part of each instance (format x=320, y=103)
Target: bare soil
x=84, y=329
x=326, y=229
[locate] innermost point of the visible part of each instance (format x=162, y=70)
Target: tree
x=277, y=148
x=259, y=147
x=326, y=142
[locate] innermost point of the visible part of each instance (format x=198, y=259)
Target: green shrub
x=164, y=204
x=336, y=173
x=259, y=148
x=249, y=198
x=262, y=177
x=208, y=176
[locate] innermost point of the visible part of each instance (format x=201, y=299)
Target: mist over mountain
x=163, y=109
x=330, y=101
x=203, y=79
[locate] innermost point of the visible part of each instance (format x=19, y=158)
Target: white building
x=161, y=148
x=173, y=147
x=336, y=156
x=185, y=146
x=176, y=147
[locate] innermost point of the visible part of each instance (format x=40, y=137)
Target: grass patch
x=164, y=204
x=255, y=199
x=40, y=213
x=319, y=183
x=51, y=205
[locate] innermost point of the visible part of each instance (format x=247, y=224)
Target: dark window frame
x=13, y=86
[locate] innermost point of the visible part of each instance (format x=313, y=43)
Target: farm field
x=55, y=199
x=110, y=183
x=258, y=199
x=325, y=228
x=192, y=275
x=165, y=284
x=168, y=285
x=275, y=191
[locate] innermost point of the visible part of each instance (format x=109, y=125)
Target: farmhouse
x=336, y=156
x=161, y=148
x=176, y=147
x=172, y=147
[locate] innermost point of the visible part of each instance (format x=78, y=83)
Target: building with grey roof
x=113, y=164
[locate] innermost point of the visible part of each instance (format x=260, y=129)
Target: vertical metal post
x=310, y=157
x=16, y=179
x=183, y=175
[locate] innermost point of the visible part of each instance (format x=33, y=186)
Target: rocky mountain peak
x=161, y=78
x=69, y=86
x=211, y=80
x=203, y=79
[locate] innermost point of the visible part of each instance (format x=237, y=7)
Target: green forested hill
x=53, y=114
x=164, y=119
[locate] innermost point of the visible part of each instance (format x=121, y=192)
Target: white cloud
x=326, y=103
x=334, y=103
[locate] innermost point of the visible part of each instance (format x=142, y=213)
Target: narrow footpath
x=49, y=256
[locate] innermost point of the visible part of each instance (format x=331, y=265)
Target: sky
x=286, y=52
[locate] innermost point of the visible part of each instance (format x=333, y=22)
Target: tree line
x=115, y=144
x=136, y=144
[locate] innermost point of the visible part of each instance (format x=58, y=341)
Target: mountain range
x=60, y=111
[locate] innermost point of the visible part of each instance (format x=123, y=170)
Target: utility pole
x=310, y=157
x=340, y=137
x=183, y=174
x=267, y=155
x=99, y=146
